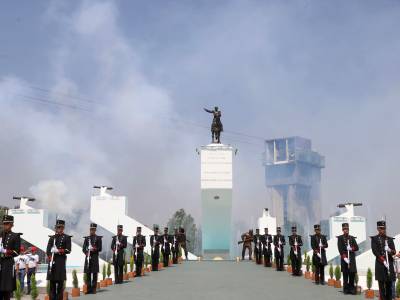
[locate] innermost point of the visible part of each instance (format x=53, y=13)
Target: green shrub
x=131, y=263
x=338, y=273
x=75, y=282
x=125, y=268
x=398, y=289
x=313, y=268
x=85, y=278
x=34, y=290
x=104, y=271
x=289, y=260
x=331, y=271
x=305, y=257
x=109, y=270
x=369, y=279
x=18, y=291
x=308, y=263
x=48, y=287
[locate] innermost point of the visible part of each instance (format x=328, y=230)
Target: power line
x=45, y=101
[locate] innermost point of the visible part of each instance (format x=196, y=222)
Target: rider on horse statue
x=216, y=126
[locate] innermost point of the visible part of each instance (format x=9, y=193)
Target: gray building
x=293, y=179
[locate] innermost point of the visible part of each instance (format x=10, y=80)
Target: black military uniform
x=383, y=248
x=183, y=241
x=247, y=239
x=92, y=246
x=348, y=247
x=267, y=252
x=175, y=246
x=279, y=243
x=118, y=244
x=319, y=244
x=9, y=248
x=166, y=247
x=155, y=241
x=58, y=247
x=139, y=242
x=257, y=240
x=295, y=243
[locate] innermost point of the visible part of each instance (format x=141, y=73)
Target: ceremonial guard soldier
x=175, y=246
x=166, y=247
x=183, y=241
x=279, y=243
x=383, y=248
x=58, y=247
x=139, y=242
x=257, y=240
x=318, y=245
x=92, y=246
x=295, y=243
x=10, y=243
x=267, y=242
x=155, y=241
x=247, y=239
x=348, y=247
x=118, y=245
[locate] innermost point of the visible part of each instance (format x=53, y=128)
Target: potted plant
x=47, y=296
x=289, y=264
x=103, y=282
x=356, y=280
x=338, y=275
x=398, y=289
x=131, y=264
x=125, y=276
x=76, y=292
x=160, y=264
x=65, y=293
x=85, y=284
x=369, y=294
x=307, y=274
x=331, y=281
x=34, y=289
x=18, y=291
x=109, y=279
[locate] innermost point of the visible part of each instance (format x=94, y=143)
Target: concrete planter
x=338, y=284
x=289, y=269
x=109, y=281
x=46, y=297
x=125, y=276
x=84, y=289
x=103, y=283
x=65, y=295
x=131, y=274
x=331, y=282
x=75, y=292
x=369, y=294
x=160, y=266
x=307, y=275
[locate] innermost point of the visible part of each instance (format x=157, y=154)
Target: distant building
x=293, y=179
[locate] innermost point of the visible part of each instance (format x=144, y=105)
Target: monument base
x=216, y=254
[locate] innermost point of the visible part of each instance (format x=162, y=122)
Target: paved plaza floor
x=219, y=281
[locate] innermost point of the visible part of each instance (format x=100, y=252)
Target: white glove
x=346, y=260
x=349, y=248
x=2, y=250
x=387, y=248
x=90, y=247
x=386, y=264
x=54, y=250
x=319, y=255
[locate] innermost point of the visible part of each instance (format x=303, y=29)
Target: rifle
x=51, y=262
x=320, y=249
x=348, y=251
x=295, y=246
x=387, y=256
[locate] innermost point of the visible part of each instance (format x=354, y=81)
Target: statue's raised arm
x=209, y=111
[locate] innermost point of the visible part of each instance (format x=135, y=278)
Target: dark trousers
x=118, y=273
x=296, y=265
x=139, y=263
x=279, y=262
x=165, y=258
x=348, y=282
x=155, y=259
x=244, y=251
x=5, y=295
x=31, y=271
x=319, y=274
x=257, y=253
x=91, y=282
x=385, y=290
x=267, y=259
x=175, y=253
x=56, y=289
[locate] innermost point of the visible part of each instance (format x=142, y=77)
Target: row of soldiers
x=382, y=247
x=59, y=246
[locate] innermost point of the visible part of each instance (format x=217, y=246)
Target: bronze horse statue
x=216, y=126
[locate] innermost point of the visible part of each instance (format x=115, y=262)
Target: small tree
x=398, y=289
x=34, y=290
x=18, y=291
x=131, y=263
x=331, y=271
x=289, y=260
x=305, y=257
x=125, y=268
x=369, y=278
x=104, y=271
x=308, y=263
x=108, y=270
x=161, y=257
x=75, y=282
x=356, y=279
x=313, y=268
x=85, y=278
x=338, y=274
x=48, y=287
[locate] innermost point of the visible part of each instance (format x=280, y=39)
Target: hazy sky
x=131, y=79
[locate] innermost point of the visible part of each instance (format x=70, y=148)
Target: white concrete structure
x=267, y=221
x=357, y=227
x=216, y=200
x=108, y=211
x=33, y=223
